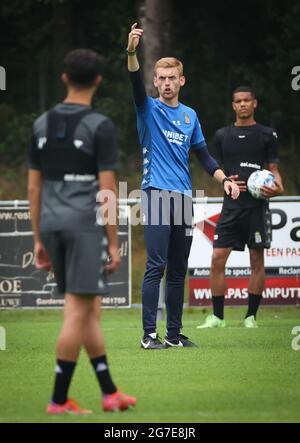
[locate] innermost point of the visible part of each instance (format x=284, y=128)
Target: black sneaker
x=181, y=341
x=152, y=341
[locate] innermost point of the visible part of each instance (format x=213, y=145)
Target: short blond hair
x=169, y=62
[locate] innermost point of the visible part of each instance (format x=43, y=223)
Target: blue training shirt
x=166, y=135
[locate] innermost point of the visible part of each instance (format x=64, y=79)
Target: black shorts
x=239, y=227
x=78, y=260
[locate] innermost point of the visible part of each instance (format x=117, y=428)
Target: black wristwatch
x=226, y=179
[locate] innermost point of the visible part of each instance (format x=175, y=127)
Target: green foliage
x=226, y=47
x=15, y=135
x=115, y=101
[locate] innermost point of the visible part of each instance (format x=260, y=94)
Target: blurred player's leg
x=68, y=347
x=93, y=341
x=95, y=348
x=256, y=286
x=217, y=284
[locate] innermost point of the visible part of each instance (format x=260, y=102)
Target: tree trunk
x=62, y=41
x=43, y=78
x=155, y=19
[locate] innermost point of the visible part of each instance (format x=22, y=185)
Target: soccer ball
x=258, y=179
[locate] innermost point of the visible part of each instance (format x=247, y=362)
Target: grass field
x=236, y=374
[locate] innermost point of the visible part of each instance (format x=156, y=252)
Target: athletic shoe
x=181, y=341
x=70, y=407
x=212, y=321
x=152, y=341
x=250, y=322
x=117, y=402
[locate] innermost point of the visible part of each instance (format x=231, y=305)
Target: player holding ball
x=242, y=148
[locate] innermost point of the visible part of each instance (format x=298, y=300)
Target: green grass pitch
x=236, y=374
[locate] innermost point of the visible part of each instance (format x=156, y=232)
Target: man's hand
x=231, y=189
x=134, y=37
x=277, y=189
x=241, y=184
x=269, y=192
x=114, y=259
x=42, y=259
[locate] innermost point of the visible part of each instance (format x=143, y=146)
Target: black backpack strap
x=59, y=156
x=61, y=126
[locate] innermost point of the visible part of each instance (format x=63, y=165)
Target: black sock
x=101, y=368
x=253, y=304
x=64, y=371
x=218, y=305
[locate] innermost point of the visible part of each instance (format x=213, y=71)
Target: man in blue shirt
x=167, y=131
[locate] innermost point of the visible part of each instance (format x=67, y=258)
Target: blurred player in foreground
x=242, y=148
x=168, y=130
x=73, y=154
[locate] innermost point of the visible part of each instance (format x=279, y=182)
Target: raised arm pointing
x=133, y=41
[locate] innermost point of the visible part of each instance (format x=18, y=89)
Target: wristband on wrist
x=226, y=179
x=131, y=53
